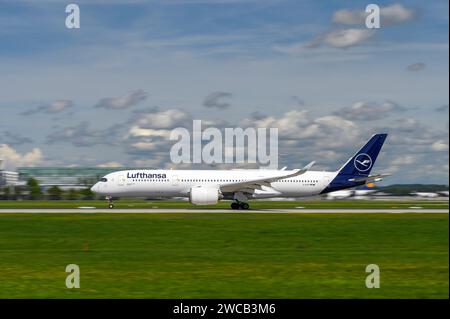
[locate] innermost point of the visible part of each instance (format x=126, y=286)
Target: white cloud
x=301, y=134
x=403, y=160
x=58, y=106
x=335, y=122
x=81, y=134
x=146, y=146
x=328, y=154
x=52, y=108
x=137, y=131
x=406, y=124
x=157, y=161
x=110, y=164
x=343, y=38
x=389, y=15
x=217, y=100
x=349, y=17
x=347, y=37
x=149, y=132
x=395, y=14
x=122, y=102
x=439, y=146
x=369, y=111
x=294, y=124
x=162, y=119
x=13, y=159
x=339, y=39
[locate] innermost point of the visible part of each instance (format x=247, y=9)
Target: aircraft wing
x=251, y=185
x=370, y=178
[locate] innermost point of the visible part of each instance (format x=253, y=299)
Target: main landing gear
x=239, y=205
x=110, y=202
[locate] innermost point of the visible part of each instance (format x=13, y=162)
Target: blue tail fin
x=359, y=165
x=362, y=162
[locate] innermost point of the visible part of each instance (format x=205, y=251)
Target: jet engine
x=204, y=196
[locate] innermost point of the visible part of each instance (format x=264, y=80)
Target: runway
x=222, y=211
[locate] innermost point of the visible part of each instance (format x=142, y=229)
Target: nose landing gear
x=239, y=205
x=110, y=202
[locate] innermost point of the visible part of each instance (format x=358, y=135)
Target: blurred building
x=8, y=178
x=65, y=177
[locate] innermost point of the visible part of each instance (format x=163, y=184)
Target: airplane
x=207, y=187
x=444, y=193
x=347, y=193
x=342, y=194
x=363, y=192
x=425, y=194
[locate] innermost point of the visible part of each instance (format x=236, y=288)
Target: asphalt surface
x=209, y=211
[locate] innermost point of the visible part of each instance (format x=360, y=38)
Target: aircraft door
x=175, y=180
x=121, y=180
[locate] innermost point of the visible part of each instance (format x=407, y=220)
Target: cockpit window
x=103, y=180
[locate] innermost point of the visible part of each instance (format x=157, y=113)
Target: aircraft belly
x=298, y=190
x=143, y=190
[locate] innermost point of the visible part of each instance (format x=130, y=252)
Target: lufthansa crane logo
x=363, y=162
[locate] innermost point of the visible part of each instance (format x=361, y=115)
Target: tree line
x=33, y=191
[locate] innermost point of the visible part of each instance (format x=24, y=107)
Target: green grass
x=237, y=255
x=136, y=203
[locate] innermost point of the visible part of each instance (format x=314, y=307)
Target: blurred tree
x=35, y=190
x=17, y=192
x=72, y=194
x=54, y=193
x=86, y=193
x=6, y=193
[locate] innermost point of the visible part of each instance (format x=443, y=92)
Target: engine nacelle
x=204, y=196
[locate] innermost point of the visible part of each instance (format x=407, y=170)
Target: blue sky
x=108, y=93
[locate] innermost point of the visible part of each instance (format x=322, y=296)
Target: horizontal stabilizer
x=370, y=178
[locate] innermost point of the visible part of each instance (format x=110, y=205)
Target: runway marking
x=225, y=211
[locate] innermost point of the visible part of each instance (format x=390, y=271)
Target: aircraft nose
x=94, y=188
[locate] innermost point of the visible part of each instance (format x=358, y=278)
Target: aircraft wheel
x=234, y=206
x=245, y=206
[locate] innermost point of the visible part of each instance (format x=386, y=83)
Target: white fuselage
x=178, y=183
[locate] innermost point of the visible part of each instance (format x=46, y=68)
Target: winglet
x=304, y=169
x=297, y=172
x=307, y=167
